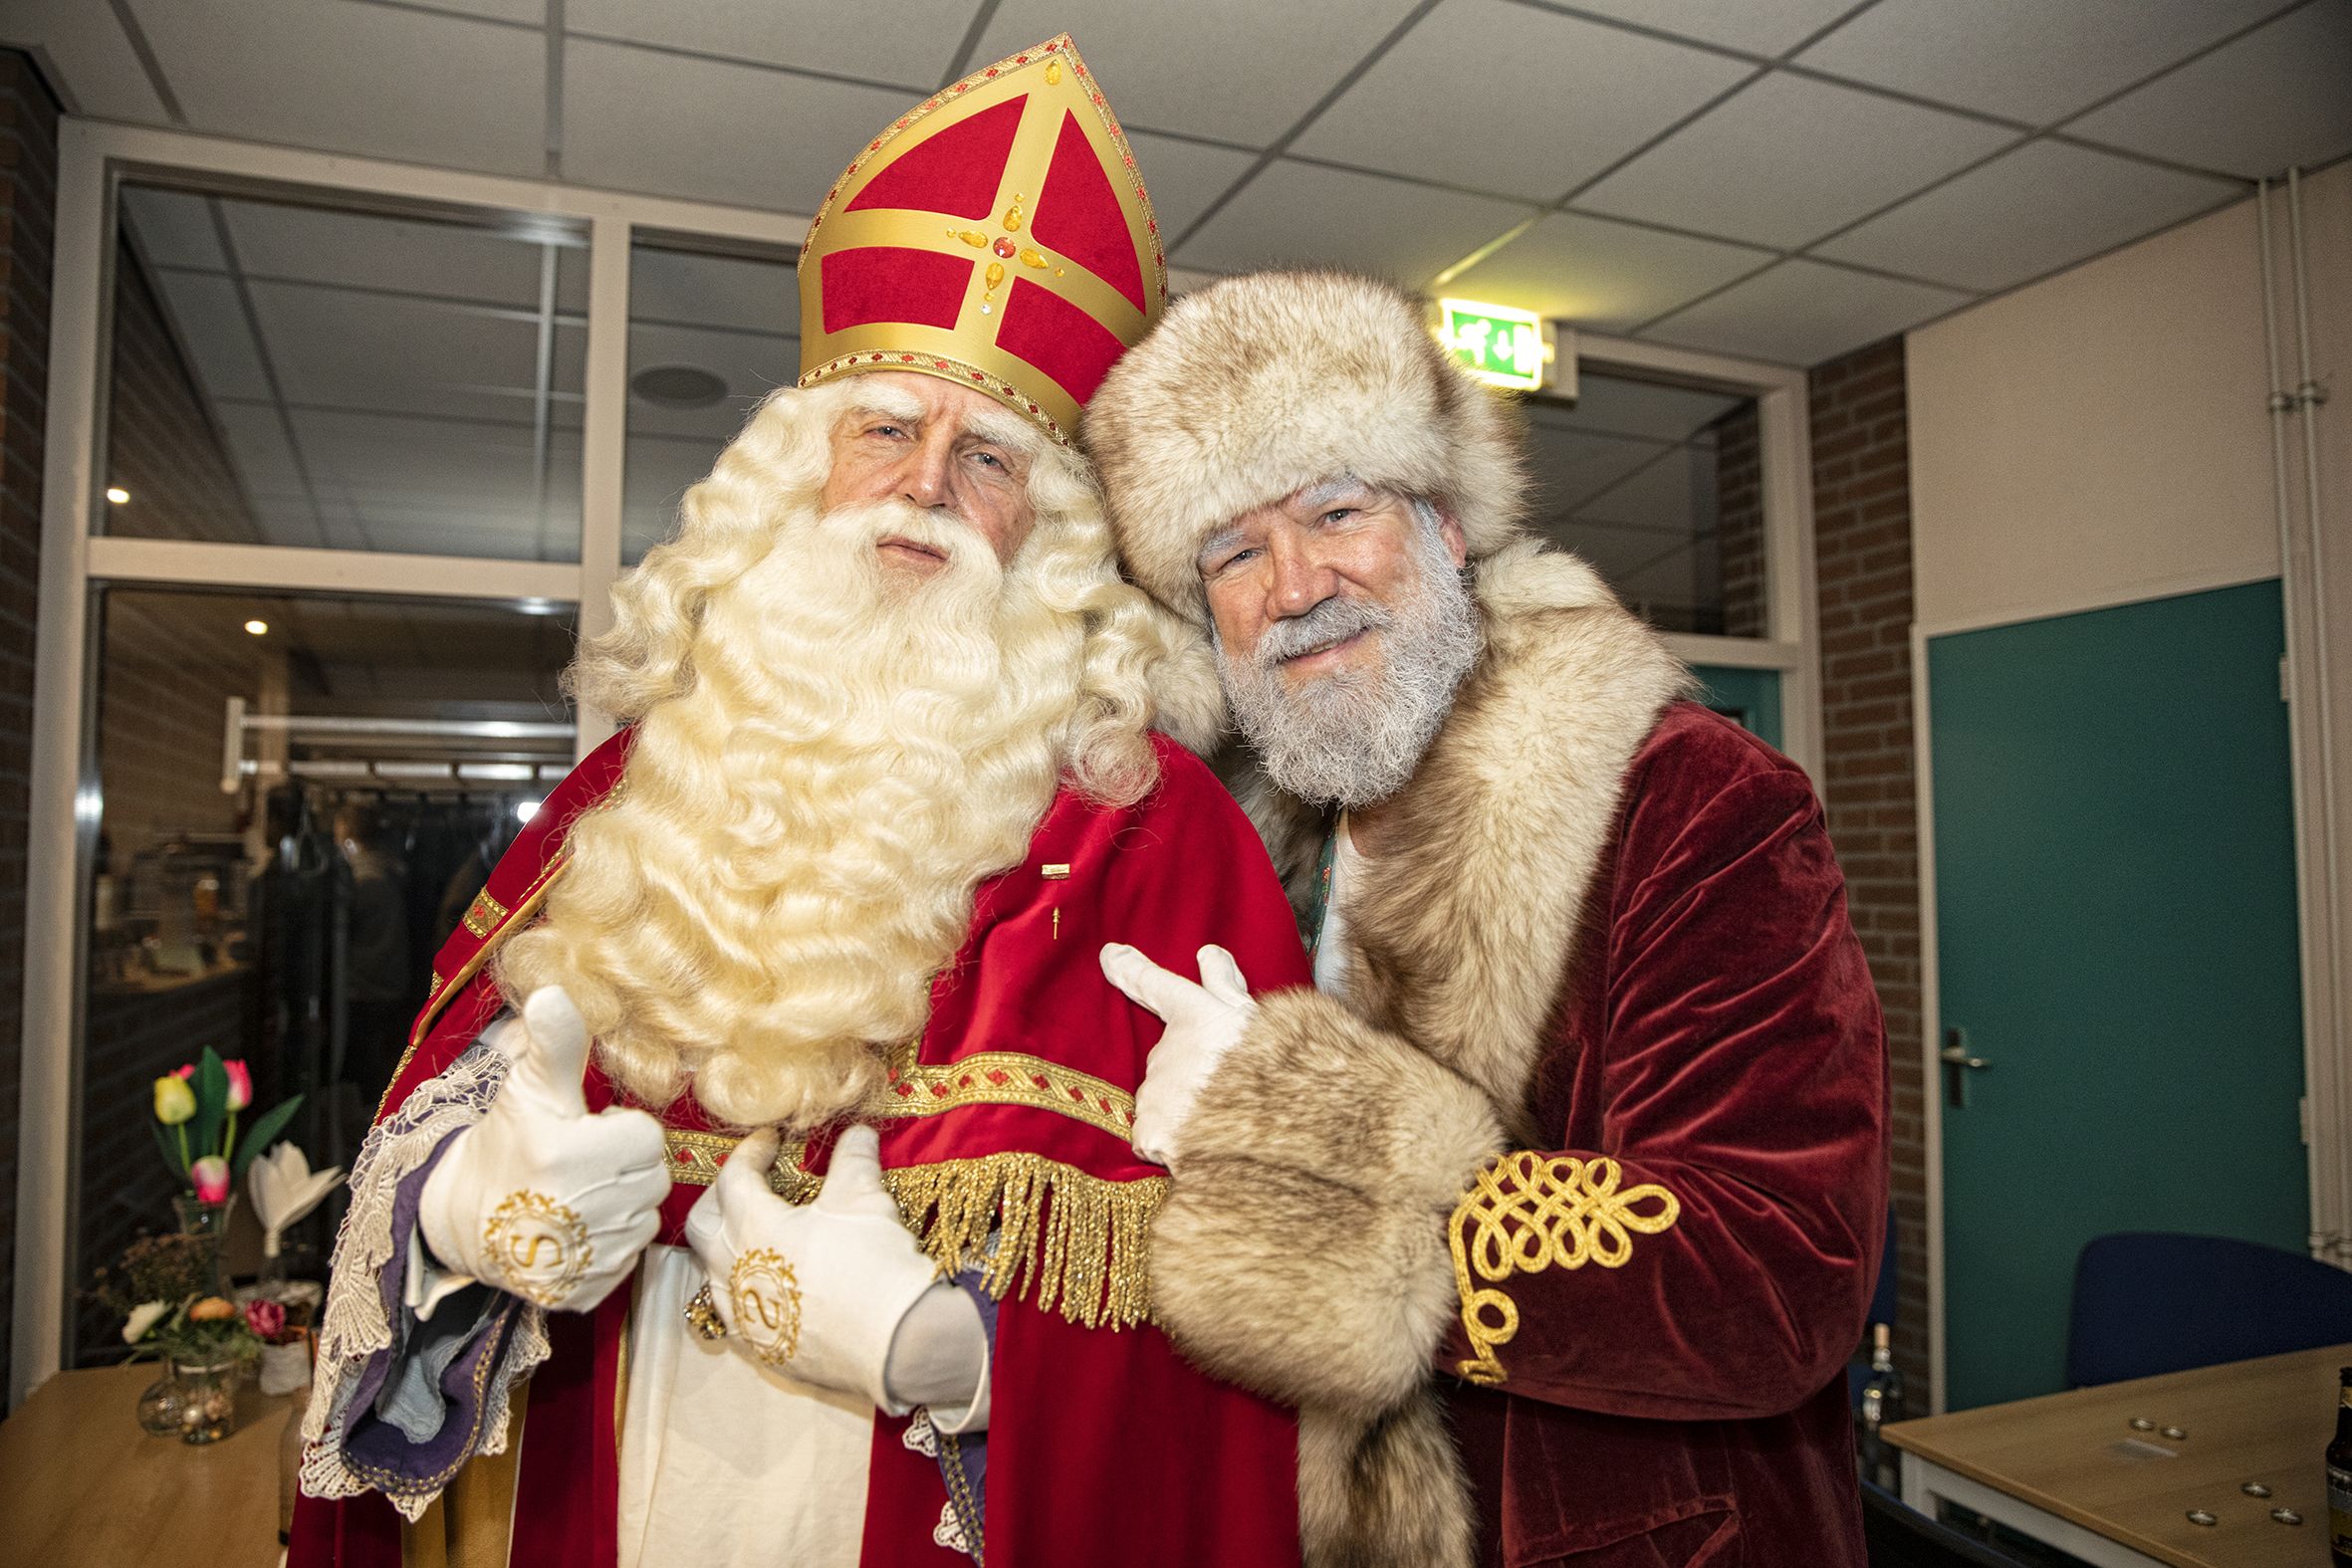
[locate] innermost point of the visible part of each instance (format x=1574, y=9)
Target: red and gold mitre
x=997, y=235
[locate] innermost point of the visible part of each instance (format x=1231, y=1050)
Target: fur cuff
x=1388, y=1493
x=1302, y=1252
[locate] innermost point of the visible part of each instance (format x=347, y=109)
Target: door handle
x=1958, y=1064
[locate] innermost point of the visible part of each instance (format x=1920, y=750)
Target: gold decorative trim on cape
x=1530, y=1212
x=1001, y=1077
x=484, y=914
x=1080, y=1240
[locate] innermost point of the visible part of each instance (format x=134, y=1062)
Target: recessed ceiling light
x=525, y=810
x=258, y=628
x=678, y=386
x=117, y=494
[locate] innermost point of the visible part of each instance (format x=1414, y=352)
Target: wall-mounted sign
x=1500, y=345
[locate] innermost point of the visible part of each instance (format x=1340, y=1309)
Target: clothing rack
x=406, y=771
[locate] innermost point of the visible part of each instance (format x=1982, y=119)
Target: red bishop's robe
x=1013, y=1110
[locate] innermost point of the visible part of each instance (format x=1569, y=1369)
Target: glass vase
x=158, y=1407
x=207, y=1224
x=207, y=1400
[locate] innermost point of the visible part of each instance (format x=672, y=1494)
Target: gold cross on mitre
x=998, y=236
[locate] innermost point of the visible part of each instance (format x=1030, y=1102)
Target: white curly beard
x=790, y=856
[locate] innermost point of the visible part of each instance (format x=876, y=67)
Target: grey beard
x=1352, y=739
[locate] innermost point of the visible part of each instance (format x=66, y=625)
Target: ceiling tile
x=448, y=260
x=211, y=327
x=1788, y=159
x=2276, y=99
x=1763, y=27
x=2027, y=213
x=1603, y=93
x=356, y=79
x=372, y=352
x=1802, y=313
x=915, y=50
x=2025, y=59
x=173, y=228
x=673, y=126
x=1230, y=70
x=751, y=366
x=1617, y=406
x=1605, y=276
x=682, y=287
x=265, y=468
x=1183, y=177
x=526, y=13
x=1568, y=466
x=102, y=77
x=1302, y=214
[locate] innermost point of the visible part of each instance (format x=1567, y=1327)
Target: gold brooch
x=540, y=1245
x=702, y=1314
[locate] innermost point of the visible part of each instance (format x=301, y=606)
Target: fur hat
x=1259, y=385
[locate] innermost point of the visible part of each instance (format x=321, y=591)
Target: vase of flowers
x=196, y=1111
x=207, y=1405
x=204, y=1341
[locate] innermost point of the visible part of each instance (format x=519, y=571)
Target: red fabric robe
x=1103, y=1445
x=1721, y=1038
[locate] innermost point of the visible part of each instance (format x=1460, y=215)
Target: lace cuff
x=365, y=1326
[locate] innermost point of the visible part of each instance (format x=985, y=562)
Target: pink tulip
x=187, y=1071
x=266, y=1319
x=240, y=1086
x=211, y=1175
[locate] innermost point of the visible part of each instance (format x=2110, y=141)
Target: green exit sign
x=1497, y=345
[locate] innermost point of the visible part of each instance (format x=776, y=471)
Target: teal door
x=2115, y=903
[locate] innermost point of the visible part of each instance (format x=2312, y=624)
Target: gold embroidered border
x=1074, y=1239
x=1003, y=1077
x=1530, y=1212
x=484, y=914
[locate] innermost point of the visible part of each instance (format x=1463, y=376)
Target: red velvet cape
x=1103, y=1445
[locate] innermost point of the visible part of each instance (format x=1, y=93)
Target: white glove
x=539, y=1198
x=814, y=1293
x=1204, y=1022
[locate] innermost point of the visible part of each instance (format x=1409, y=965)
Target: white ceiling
x=1784, y=179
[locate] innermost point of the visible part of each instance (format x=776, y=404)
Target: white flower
x=284, y=1188
x=143, y=1317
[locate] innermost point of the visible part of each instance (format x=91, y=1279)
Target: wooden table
x=2070, y=1470
x=81, y=1484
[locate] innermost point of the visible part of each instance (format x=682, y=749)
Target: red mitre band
x=998, y=236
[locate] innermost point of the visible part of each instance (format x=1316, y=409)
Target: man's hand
x=1204, y=1022
x=539, y=1198
x=816, y=1293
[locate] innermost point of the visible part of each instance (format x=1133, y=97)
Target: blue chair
x=2149, y=1301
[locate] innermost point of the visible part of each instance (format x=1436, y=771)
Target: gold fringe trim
x=1078, y=1241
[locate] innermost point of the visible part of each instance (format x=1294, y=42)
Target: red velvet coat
x=1561, y=1223
x=1722, y=1040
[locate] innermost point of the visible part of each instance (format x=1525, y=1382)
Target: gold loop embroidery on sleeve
x=1528, y=1212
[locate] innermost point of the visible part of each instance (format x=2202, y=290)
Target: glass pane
x=290, y=918
x=294, y=375
x=709, y=336
x=1660, y=487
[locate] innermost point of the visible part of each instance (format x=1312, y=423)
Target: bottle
x=1882, y=1406
x=2339, y=1477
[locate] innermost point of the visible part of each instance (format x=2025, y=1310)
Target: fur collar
x=1461, y=939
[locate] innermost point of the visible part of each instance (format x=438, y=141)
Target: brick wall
x=1739, y=520
x=28, y=208
x=1862, y=545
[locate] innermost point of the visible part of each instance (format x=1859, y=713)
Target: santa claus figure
x=759, y=1187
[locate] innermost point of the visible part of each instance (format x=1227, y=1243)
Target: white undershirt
x=724, y=1463
x=1331, y=954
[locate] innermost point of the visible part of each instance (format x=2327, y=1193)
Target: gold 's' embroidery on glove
x=767, y=1297
x=1528, y=1212
x=540, y=1245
